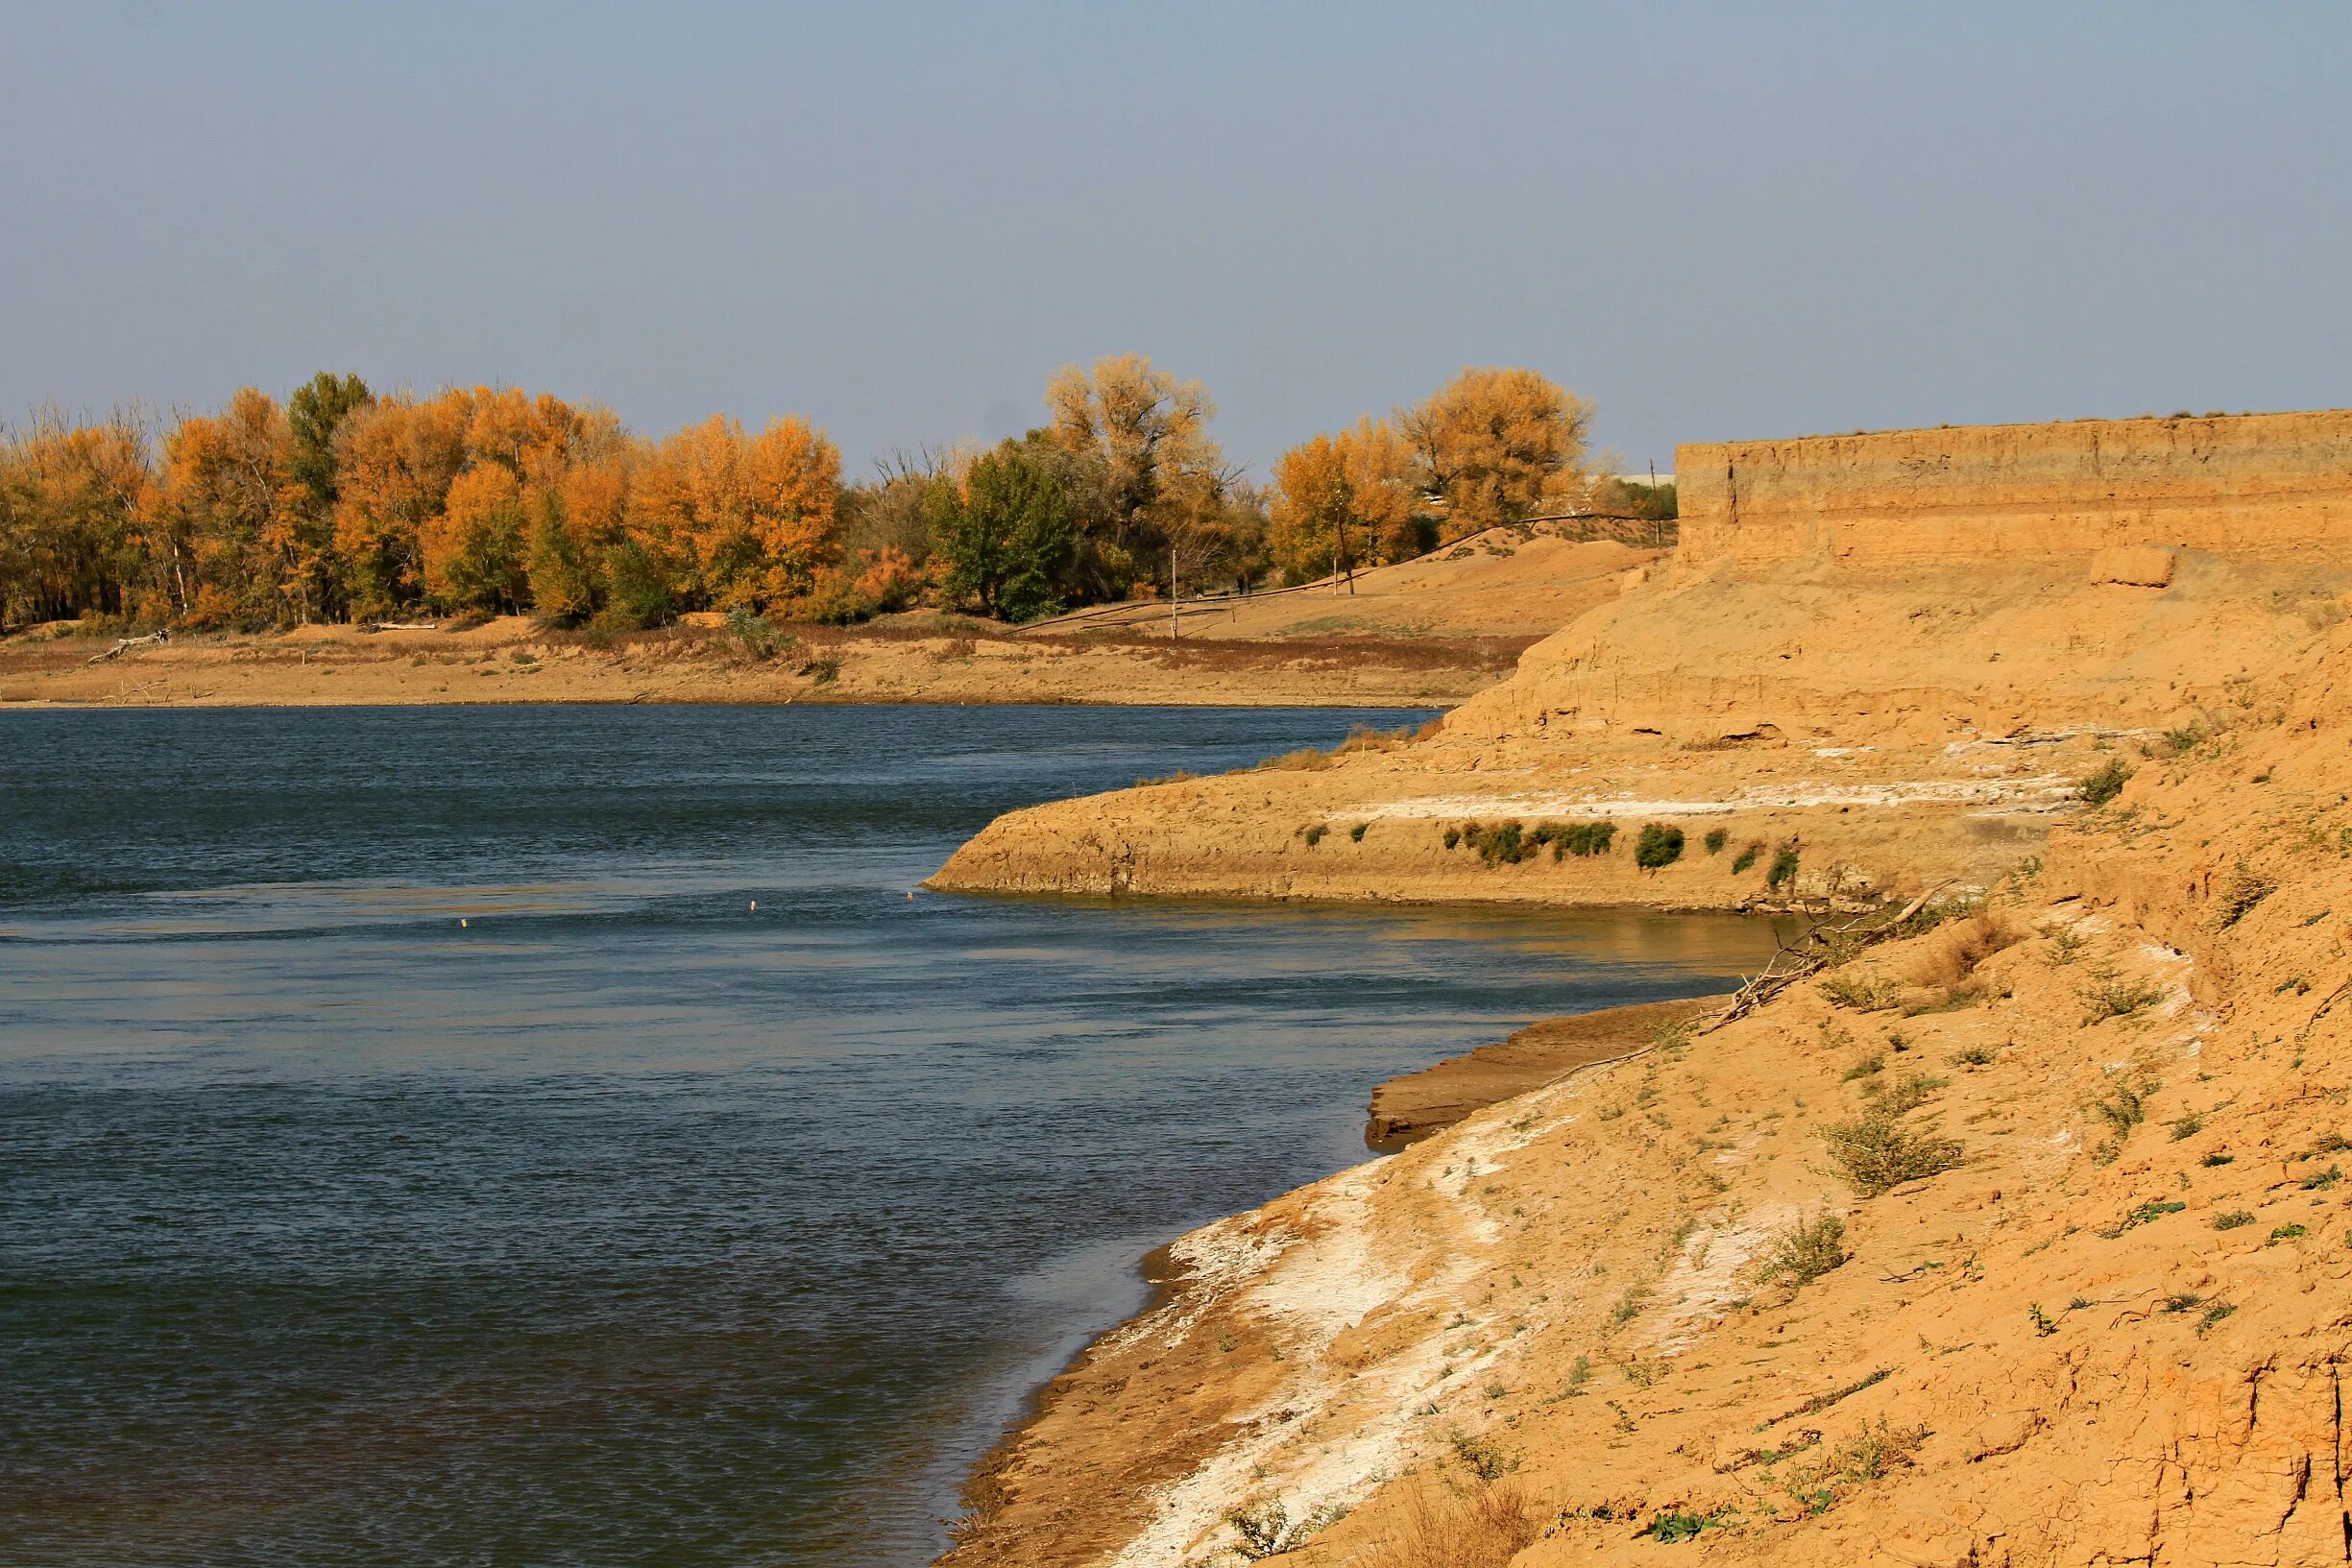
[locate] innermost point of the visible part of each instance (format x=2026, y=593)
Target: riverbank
x=2020, y=1241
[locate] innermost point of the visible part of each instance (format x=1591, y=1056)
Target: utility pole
x=1175, y=625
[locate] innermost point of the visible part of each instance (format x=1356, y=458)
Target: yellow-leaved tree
x=1491, y=443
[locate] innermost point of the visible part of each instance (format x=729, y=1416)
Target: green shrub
x=1783, y=872
x=1582, y=839
x=1315, y=836
x=1356, y=832
x=1660, y=845
x=1863, y=993
x=1675, y=1525
x=2104, y=784
x=1453, y=837
x=1746, y=857
x=1878, y=1150
x=1716, y=838
x=1972, y=1056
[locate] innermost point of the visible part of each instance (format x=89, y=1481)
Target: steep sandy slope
x=1889, y=725
x=1503, y=582
x=2113, y=1331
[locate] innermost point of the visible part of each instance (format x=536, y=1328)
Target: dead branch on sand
x=1822, y=945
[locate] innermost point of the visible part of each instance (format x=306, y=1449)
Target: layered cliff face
x=2026, y=1240
x=2266, y=486
x=1896, y=676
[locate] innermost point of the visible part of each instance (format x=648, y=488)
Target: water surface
x=622, y=1223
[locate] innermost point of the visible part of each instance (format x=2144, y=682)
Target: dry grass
x=1951, y=954
x=1483, y=1528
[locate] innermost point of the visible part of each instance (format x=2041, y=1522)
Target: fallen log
x=400, y=626
x=151, y=639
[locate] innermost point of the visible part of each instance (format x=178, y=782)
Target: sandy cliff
x=1893, y=719
x=2084, y=1294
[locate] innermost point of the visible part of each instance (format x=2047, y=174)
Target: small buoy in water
x=755, y=906
x=910, y=895
x=462, y=923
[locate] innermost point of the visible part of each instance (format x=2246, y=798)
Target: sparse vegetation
x=1783, y=872
x=1804, y=1251
x=1972, y=1056
x=1313, y=834
x=2115, y=996
x=1880, y=1150
x=1866, y=1068
x=1746, y=857
x=2066, y=944
x=1716, y=838
x=2123, y=1107
x=1907, y=1092
x=1482, y=1458
x=1356, y=832
x=2103, y=783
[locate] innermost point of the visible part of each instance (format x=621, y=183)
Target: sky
x=1717, y=221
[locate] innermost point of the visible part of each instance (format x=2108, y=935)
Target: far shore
x=928, y=660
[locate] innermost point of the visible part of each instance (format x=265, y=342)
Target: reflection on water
x=622, y=1223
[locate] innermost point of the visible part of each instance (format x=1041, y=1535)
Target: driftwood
x=401, y=626
x=1812, y=953
x=121, y=643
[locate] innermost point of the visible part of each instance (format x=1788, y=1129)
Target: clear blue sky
x=1715, y=221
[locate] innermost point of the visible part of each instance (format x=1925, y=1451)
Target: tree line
x=341, y=503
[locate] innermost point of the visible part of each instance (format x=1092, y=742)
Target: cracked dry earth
x=2113, y=1331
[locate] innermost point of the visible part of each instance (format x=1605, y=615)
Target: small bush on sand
x=1972, y=1056
x=1783, y=872
x=2244, y=889
x=2103, y=783
x=2113, y=996
x=1660, y=845
x=1305, y=759
x=1880, y=1150
x=1356, y=832
x=1863, y=993
x=2233, y=1220
x=1804, y=1252
x=1363, y=737
x=1746, y=856
x=1717, y=839
x=2124, y=1107
x=1313, y=835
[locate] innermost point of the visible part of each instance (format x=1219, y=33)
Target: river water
x=415, y=1150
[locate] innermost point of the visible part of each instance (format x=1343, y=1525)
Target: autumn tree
x=397, y=459
x=1157, y=470
x=1490, y=444
x=77, y=522
x=264, y=555
x=1313, y=525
